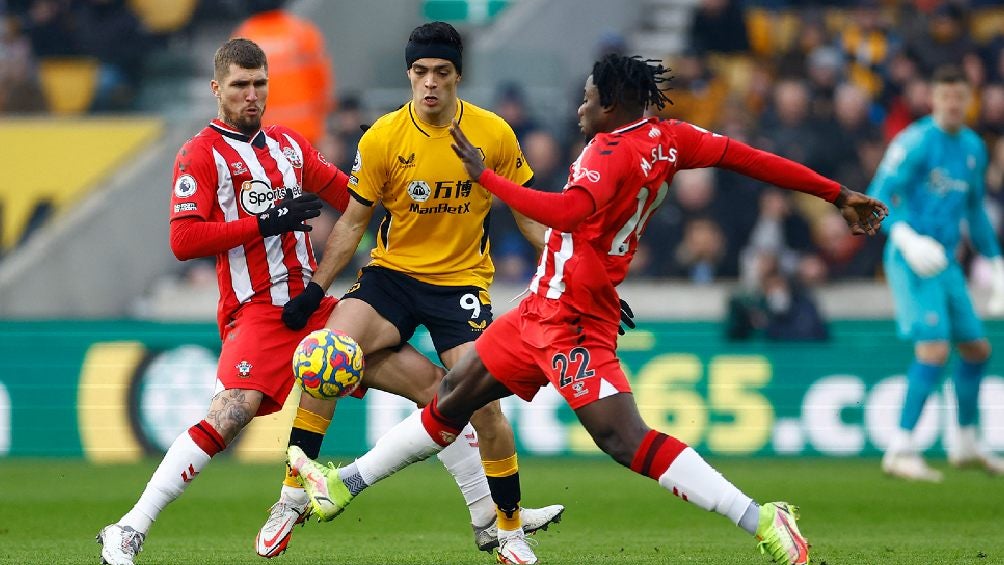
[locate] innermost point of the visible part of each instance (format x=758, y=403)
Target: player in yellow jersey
x=431, y=267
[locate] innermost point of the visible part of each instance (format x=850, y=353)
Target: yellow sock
x=503, y=477
x=308, y=432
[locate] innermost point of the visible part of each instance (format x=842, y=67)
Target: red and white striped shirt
x=627, y=172
x=222, y=180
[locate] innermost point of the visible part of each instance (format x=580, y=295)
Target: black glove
x=298, y=310
x=627, y=317
x=289, y=214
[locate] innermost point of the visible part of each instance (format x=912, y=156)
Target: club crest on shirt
x=290, y=154
x=185, y=186
x=238, y=168
x=243, y=369
x=419, y=190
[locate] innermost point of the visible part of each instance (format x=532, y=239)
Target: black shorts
x=453, y=314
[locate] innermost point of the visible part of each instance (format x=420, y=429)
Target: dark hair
x=244, y=52
x=435, y=39
x=631, y=82
x=949, y=74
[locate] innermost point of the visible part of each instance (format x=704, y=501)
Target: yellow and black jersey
x=436, y=227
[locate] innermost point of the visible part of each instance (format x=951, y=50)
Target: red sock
x=207, y=438
x=442, y=430
x=656, y=453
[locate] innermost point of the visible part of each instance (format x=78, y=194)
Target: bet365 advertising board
x=122, y=390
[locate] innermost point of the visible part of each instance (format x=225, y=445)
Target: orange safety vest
x=301, y=79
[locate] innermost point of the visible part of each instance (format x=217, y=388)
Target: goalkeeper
x=932, y=179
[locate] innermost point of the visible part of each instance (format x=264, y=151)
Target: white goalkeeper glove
x=923, y=254
x=996, y=305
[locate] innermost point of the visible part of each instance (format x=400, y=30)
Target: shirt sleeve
x=598, y=169
x=194, y=182
x=897, y=175
x=510, y=162
x=698, y=147
x=369, y=171
x=981, y=232
x=321, y=177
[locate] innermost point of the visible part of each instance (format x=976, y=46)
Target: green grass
x=51, y=509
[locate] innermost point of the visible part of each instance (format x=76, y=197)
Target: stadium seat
x=163, y=16
x=68, y=83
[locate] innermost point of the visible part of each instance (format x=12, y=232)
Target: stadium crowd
x=824, y=83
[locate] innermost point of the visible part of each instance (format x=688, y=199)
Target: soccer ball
x=328, y=364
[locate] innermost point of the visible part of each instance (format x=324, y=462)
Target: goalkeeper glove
x=298, y=310
x=627, y=317
x=996, y=304
x=288, y=215
x=923, y=254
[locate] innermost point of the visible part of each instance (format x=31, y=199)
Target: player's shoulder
x=972, y=139
x=474, y=114
x=391, y=122
x=200, y=144
x=916, y=133
x=282, y=133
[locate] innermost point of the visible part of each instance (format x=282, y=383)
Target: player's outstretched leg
x=184, y=460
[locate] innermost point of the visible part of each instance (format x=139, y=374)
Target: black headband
x=415, y=51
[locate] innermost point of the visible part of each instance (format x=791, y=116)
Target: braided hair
x=631, y=82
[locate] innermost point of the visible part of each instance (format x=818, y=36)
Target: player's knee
x=490, y=423
x=975, y=351
x=932, y=352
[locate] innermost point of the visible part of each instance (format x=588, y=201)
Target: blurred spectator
x=775, y=306
x=824, y=72
x=991, y=121
x=867, y=43
x=719, y=27
x=19, y=90
x=786, y=128
x=779, y=230
x=995, y=174
x=844, y=255
x=301, y=79
x=347, y=123
x=793, y=61
x=510, y=103
x=692, y=195
x=698, y=95
x=849, y=128
x=103, y=27
x=49, y=25
x=911, y=105
x=699, y=257
x=944, y=41
x=544, y=154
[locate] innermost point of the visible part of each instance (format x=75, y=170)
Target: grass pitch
x=50, y=511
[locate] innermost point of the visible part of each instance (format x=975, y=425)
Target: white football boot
x=966, y=452
x=119, y=544
x=534, y=519
x=515, y=548
x=273, y=537
x=909, y=466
